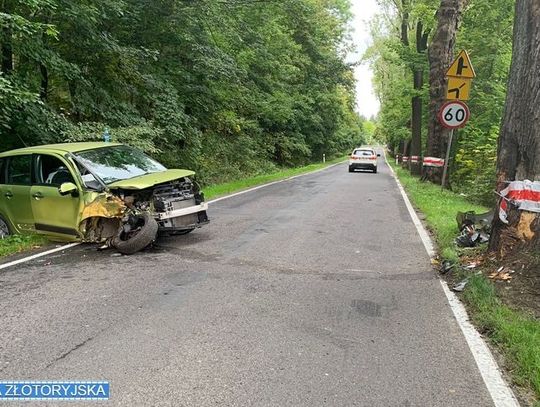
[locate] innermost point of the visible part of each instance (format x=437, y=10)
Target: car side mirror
x=68, y=188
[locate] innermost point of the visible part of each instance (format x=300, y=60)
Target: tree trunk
x=441, y=54
x=418, y=77
x=519, y=141
x=406, y=159
x=44, y=86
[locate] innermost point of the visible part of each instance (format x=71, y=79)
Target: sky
x=367, y=103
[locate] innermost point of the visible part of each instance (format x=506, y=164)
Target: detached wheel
x=4, y=228
x=142, y=235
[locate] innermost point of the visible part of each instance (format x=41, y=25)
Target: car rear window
x=19, y=170
x=364, y=153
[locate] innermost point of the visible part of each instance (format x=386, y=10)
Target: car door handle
x=37, y=195
x=8, y=195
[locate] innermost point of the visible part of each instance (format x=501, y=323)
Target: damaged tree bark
x=441, y=54
x=519, y=142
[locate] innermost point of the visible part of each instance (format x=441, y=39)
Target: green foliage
x=17, y=243
x=474, y=170
x=227, y=88
x=473, y=166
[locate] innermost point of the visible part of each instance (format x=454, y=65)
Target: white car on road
x=363, y=158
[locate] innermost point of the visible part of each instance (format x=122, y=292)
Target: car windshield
x=117, y=163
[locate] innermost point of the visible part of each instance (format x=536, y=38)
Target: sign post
x=453, y=115
x=447, y=158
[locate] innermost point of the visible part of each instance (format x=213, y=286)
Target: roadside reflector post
x=448, y=148
x=324, y=158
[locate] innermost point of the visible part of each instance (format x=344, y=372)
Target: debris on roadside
x=446, y=267
x=472, y=265
x=459, y=287
x=475, y=229
x=501, y=274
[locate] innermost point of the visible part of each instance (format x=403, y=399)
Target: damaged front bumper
x=184, y=218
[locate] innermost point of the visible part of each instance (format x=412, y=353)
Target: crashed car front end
x=178, y=206
x=128, y=212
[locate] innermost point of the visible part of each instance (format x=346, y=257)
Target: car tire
x=5, y=230
x=351, y=169
x=144, y=237
x=375, y=171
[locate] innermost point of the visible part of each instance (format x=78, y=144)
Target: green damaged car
x=96, y=192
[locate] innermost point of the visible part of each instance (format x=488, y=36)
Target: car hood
x=149, y=180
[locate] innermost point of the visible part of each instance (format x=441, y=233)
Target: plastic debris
x=446, y=266
x=472, y=265
x=459, y=287
x=475, y=229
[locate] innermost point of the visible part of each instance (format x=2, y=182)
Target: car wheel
x=375, y=170
x=143, y=235
x=4, y=228
x=351, y=169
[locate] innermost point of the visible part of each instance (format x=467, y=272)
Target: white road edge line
x=38, y=255
x=499, y=390
x=245, y=191
x=69, y=246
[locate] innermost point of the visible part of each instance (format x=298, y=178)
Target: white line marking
x=69, y=246
x=38, y=255
x=271, y=183
x=500, y=392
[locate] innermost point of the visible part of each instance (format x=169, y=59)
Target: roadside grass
x=440, y=207
x=19, y=243
x=514, y=332
x=215, y=191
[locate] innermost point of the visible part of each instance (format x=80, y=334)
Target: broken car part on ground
x=96, y=192
x=475, y=229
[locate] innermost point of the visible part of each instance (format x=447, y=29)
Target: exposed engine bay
x=130, y=219
x=177, y=205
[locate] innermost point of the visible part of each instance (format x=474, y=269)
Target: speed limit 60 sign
x=454, y=114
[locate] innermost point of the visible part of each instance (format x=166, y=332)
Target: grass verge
x=440, y=208
x=20, y=243
x=214, y=191
x=514, y=332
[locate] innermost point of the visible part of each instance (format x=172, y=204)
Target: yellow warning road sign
x=462, y=67
x=458, y=88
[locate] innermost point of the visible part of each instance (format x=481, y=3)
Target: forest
x=228, y=88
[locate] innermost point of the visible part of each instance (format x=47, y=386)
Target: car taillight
x=373, y=158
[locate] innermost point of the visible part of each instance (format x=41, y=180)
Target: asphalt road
x=315, y=291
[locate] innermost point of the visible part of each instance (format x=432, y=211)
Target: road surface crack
x=66, y=354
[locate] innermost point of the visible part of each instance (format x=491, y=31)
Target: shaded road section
x=314, y=291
